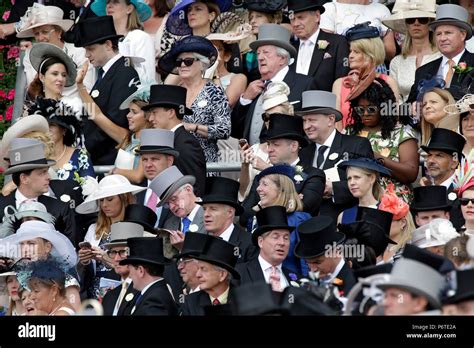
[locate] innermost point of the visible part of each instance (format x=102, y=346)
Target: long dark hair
x=380, y=94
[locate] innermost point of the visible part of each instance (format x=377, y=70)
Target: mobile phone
x=85, y=245
x=242, y=142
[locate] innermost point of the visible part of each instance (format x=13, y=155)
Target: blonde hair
x=275, y=17
x=377, y=190
x=103, y=224
x=406, y=233
x=407, y=44
x=450, y=122
x=133, y=21
x=287, y=195
x=45, y=138
x=372, y=48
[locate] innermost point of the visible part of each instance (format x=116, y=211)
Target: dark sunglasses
x=187, y=61
x=360, y=110
x=465, y=201
x=422, y=20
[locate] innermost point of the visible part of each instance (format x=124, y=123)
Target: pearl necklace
x=62, y=154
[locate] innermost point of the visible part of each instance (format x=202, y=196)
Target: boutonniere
x=333, y=156
x=323, y=44
x=298, y=178
x=298, y=169
x=293, y=276
x=129, y=297
x=65, y=198
x=338, y=282
x=294, y=284
x=95, y=93
x=452, y=196
x=193, y=228
x=462, y=68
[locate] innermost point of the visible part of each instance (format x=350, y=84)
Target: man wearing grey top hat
x=29, y=169
x=328, y=147
x=451, y=30
x=275, y=54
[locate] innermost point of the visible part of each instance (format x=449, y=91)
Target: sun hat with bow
x=39, y=15
x=405, y=9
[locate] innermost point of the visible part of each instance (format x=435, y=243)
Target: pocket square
x=327, y=55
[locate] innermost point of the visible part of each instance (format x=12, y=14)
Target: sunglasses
x=360, y=110
x=122, y=253
x=465, y=201
x=187, y=61
x=422, y=20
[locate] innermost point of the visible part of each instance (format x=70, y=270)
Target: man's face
x=48, y=33
x=136, y=275
x=401, y=302
x=209, y=276
x=318, y=127
x=305, y=23
x=269, y=63
x=281, y=150
x=450, y=40
x=274, y=246
x=182, y=201
x=217, y=217
x=440, y=165
x=461, y=308
x=117, y=254
x=37, y=182
x=159, y=117
x=154, y=163
x=425, y=217
x=97, y=54
x=35, y=249
x=187, y=270
x=322, y=264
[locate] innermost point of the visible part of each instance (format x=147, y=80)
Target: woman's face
x=136, y=118
x=118, y=9
x=468, y=210
x=199, y=15
x=467, y=125
x=357, y=59
x=418, y=30
x=57, y=133
x=111, y=206
x=192, y=71
x=54, y=79
x=12, y=287
x=268, y=192
x=369, y=113
x=224, y=56
x=433, y=108
x=43, y=297
x=396, y=227
x=256, y=19
x=27, y=302
x=360, y=183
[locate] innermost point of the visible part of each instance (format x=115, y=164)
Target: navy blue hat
x=283, y=169
x=367, y=163
x=362, y=31
x=191, y=43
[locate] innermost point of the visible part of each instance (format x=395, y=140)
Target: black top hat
x=316, y=235
x=142, y=215
x=222, y=190
x=287, y=127
x=265, y=6
x=464, y=287
x=145, y=250
x=437, y=262
x=95, y=30
x=169, y=96
x=220, y=253
x=269, y=219
x=301, y=301
x=190, y=43
x=362, y=31
x=427, y=198
x=447, y=141
x=365, y=272
x=193, y=244
x=381, y=218
x=296, y=6
x=256, y=299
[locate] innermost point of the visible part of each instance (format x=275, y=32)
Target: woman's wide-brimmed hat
x=465, y=104
x=367, y=163
x=39, y=15
x=450, y=14
x=144, y=11
x=405, y=9
x=62, y=248
x=191, y=43
x=41, y=51
x=243, y=31
x=142, y=93
x=111, y=185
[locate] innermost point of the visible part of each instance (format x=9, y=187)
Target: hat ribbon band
x=38, y=161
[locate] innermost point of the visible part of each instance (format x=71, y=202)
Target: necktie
x=302, y=57
x=275, y=279
x=320, y=160
x=186, y=222
x=152, y=200
x=100, y=75
x=137, y=301
x=121, y=296
x=450, y=73
x=216, y=302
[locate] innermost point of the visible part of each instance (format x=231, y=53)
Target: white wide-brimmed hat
x=276, y=94
x=461, y=106
x=39, y=15
x=111, y=185
x=404, y=9
x=437, y=232
x=62, y=248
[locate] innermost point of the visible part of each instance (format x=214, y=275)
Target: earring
x=54, y=299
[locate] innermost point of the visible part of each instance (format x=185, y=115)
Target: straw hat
x=405, y=9
x=39, y=15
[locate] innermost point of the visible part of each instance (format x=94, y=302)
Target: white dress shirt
x=191, y=215
x=327, y=143
x=227, y=233
x=267, y=271
x=20, y=198
x=444, y=66
x=279, y=76
x=305, y=53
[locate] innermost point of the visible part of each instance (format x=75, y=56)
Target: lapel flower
x=95, y=93
x=294, y=284
x=193, y=228
x=298, y=178
x=129, y=297
x=322, y=44
x=333, y=156
x=452, y=196
x=298, y=169
x=462, y=68
x=338, y=282
x=293, y=276
x=65, y=198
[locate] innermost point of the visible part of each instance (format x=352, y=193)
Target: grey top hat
x=416, y=278
x=168, y=181
x=276, y=35
x=319, y=102
x=121, y=231
x=27, y=154
x=450, y=14
x=157, y=141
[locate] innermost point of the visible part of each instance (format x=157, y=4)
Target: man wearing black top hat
x=217, y=261
x=272, y=236
x=116, y=81
x=320, y=245
x=83, y=12
x=165, y=111
x=322, y=56
x=220, y=207
x=285, y=139
x=146, y=265
x=460, y=298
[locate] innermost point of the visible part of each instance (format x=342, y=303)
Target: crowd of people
x=350, y=121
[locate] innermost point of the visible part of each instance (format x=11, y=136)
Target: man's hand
x=177, y=239
x=328, y=189
x=254, y=89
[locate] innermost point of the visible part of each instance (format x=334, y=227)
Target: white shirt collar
x=336, y=271
x=176, y=127
x=279, y=76
x=266, y=265
x=456, y=59
x=448, y=181
x=329, y=140
x=111, y=62
x=227, y=233
x=149, y=285
x=313, y=38
x=20, y=198
x=192, y=214
x=295, y=162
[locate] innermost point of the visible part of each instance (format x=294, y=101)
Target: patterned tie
x=216, y=302
x=450, y=73
x=275, y=279
x=186, y=222
x=320, y=160
x=152, y=200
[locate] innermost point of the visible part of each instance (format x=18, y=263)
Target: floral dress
x=389, y=148
x=211, y=108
